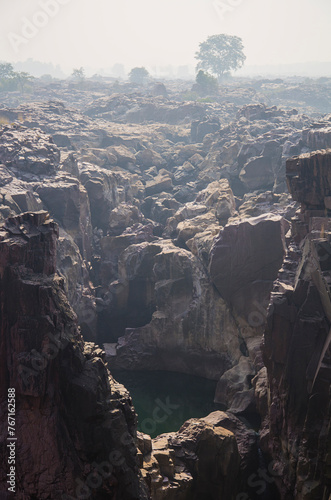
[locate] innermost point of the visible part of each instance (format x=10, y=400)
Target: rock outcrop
x=29, y=153
x=294, y=393
x=201, y=460
x=245, y=254
x=33, y=177
x=174, y=317
x=75, y=426
x=309, y=181
x=244, y=261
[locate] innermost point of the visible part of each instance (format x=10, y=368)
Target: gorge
x=144, y=235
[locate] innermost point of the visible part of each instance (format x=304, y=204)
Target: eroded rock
x=294, y=393
x=62, y=387
x=28, y=151
x=173, y=315
x=201, y=460
x=247, y=255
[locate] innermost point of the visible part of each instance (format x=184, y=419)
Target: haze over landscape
x=157, y=34
x=165, y=250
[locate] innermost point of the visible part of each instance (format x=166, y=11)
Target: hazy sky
x=154, y=33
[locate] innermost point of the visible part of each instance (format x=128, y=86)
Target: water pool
x=165, y=400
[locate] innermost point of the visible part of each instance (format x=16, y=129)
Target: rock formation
x=172, y=226
x=201, y=460
x=294, y=393
x=178, y=321
x=75, y=426
x=116, y=187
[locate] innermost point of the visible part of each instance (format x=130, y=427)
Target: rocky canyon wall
x=294, y=391
x=71, y=417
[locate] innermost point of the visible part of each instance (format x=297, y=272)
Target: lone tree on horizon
x=78, y=74
x=220, y=54
x=138, y=75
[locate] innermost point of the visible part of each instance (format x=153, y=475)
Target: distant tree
x=78, y=74
x=138, y=75
x=6, y=71
x=11, y=80
x=23, y=80
x=206, y=82
x=220, y=54
x=46, y=78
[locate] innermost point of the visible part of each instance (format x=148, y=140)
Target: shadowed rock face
x=71, y=415
x=296, y=430
x=309, y=180
x=31, y=179
x=244, y=260
x=75, y=425
x=188, y=327
x=247, y=252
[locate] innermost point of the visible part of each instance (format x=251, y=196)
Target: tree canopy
x=138, y=75
x=220, y=54
x=6, y=70
x=11, y=80
x=78, y=74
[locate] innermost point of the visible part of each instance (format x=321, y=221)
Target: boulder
x=245, y=260
x=201, y=128
x=201, y=460
x=257, y=173
x=185, y=152
x=215, y=449
x=254, y=205
x=106, y=190
x=147, y=158
x=160, y=207
x=184, y=213
x=247, y=443
x=69, y=164
x=123, y=155
x=219, y=196
x=184, y=173
x=237, y=379
x=309, y=181
x=122, y=217
x=159, y=89
x=187, y=229
x=162, y=182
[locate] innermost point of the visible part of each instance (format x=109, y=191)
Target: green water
x=165, y=400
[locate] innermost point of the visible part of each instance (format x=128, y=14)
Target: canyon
x=141, y=231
